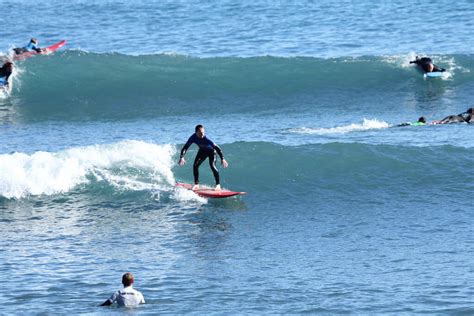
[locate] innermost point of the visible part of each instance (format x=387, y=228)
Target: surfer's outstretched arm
x=221, y=155
x=416, y=61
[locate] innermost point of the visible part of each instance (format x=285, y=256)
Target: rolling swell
x=321, y=171
x=77, y=85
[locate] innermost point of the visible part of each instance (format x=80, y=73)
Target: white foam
x=366, y=125
x=128, y=165
x=447, y=62
x=185, y=195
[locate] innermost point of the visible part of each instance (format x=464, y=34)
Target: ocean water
x=345, y=212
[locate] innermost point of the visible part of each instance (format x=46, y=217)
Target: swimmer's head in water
x=470, y=111
x=422, y=120
x=127, y=279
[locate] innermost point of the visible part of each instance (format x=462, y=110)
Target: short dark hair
x=198, y=127
x=127, y=279
x=422, y=119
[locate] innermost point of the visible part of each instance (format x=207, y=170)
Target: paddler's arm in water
x=438, y=69
x=221, y=155
x=106, y=303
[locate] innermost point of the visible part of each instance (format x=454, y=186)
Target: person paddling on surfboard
x=421, y=121
x=32, y=46
x=426, y=64
x=5, y=73
x=464, y=117
x=207, y=149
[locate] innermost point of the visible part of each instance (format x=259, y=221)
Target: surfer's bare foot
x=217, y=188
x=195, y=187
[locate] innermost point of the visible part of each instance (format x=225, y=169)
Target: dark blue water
x=345, y=211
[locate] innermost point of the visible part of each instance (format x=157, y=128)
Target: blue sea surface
x=345, y=212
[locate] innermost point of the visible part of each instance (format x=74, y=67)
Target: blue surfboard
x=436, y=74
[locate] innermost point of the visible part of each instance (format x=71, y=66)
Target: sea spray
x=129, y=165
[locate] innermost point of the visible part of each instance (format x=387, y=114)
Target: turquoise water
x=345, y=212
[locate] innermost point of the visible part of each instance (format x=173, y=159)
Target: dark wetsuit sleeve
x=219, y=151
x=186, y=146
x=36, y=48
x=438, y=69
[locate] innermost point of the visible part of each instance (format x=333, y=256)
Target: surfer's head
x=127, y=279
x=34, y=41
x=429, y=67
x=470, y=111
x=422, y=120
x=8, y=66
x=200, y=131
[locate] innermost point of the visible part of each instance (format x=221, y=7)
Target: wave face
x=75, y=85
x=130, y=166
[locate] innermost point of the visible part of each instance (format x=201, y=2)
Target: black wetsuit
x=4, y=75
x=464, y=117
x=425, y=62
x=207, y=149
x=468, y=115
x=453, y=119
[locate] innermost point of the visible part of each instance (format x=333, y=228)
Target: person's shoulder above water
x=128, y=296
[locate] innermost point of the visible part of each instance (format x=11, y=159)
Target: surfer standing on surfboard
x=207, y=149
x=32, y=46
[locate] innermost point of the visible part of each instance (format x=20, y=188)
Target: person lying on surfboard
x=421, y=121
x=464, y=117
x=32, y=46
x=426, y=64
x=207, y=149
x=5, y=73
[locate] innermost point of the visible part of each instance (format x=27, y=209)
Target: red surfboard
x=45, y=51
x=210, y=193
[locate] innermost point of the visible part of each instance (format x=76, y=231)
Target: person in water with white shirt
x=127, y=296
